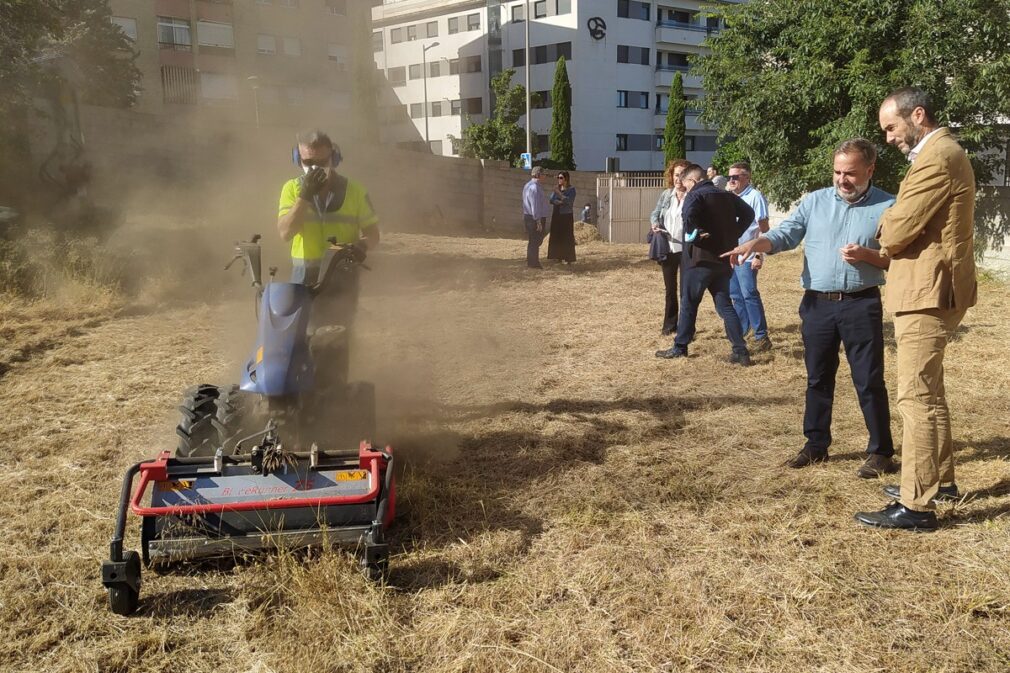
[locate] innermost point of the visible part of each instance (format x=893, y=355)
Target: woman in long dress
x=561, y=244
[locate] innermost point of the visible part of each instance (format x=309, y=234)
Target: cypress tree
x=675, y=135
x=562, y=152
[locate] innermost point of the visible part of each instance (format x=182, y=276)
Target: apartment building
x=257, y=61
x=439, y=56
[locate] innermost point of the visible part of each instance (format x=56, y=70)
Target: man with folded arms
x=842, y=274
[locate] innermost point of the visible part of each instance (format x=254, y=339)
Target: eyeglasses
x=733, y=178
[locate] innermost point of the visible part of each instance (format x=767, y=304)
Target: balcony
x=664, y=76
x=676, y=32
x=691, y=120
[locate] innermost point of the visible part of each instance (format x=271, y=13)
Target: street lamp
x=424, y=78
x=526, y=16
x=254, y=82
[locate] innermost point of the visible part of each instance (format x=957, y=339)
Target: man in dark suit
x=714, y=219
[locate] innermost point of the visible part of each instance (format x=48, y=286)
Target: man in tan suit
x=928, y=235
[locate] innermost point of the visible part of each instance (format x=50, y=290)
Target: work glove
x=312, y=183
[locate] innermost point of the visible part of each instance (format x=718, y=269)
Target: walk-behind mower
x=283, y=460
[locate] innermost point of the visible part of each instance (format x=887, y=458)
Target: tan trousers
x=927, y=452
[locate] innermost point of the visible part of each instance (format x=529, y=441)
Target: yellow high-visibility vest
x=345, y=223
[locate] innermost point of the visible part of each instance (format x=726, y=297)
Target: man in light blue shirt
x=843, y=270
x=535, y=212
x=743, y=288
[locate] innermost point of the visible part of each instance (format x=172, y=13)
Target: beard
x=912, y=136
x=854, y=194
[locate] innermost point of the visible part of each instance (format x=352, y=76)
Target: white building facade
x=621, y=58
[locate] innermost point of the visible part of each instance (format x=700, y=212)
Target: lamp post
x=424, y=79
x=254, y=82
x=526, y=12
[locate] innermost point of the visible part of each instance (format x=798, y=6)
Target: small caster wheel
x=123, y=598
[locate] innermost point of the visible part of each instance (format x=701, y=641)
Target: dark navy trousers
x=696, y=280
x=857, y=324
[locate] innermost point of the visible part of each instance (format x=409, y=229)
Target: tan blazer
x=928, y=232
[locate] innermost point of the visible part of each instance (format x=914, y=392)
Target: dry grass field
x=568, y=502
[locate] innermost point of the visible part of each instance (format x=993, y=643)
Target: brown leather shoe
x=875, y=466
x=805, y=457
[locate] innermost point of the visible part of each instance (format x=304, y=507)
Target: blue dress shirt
x=826, y=223
x=535, y=201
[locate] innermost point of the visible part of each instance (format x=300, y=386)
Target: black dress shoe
x=945, y=494
x=806, y=456
x=666, y=331
x=899, y=517
x=742, y=359
x=672, y=353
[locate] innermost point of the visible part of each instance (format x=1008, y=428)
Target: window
x=288, y=3
x=517, y=13
x=431, y=28
x=549, y=53
x=411, y=33
x=542, y=100
x=174, y=33
x=622, y=142
x=266, y=44
x=436, y=108
x=631, y=9
x=178, y=84
x=456, y=108
x=475, y=106
x=636, y=55
x=672, y=61
x=542, y=142
x=689, y=143
x=216, y=86
x=377, y=41
x=453, y=66
x=563, y=7
x=338, y=54
x=396, y=35
x=338, y=7
x=633, y=99
x=414, y=71
x=472, y=63
x=397, y=76
x=455, y=143
x=416, y=110
x=213, y=34
x=713, y=24
x=436, y=147
x=128, y=26
x=435, y=69
x=473, y=21
x=292, y=46
x=453, y=25
x=540, y=9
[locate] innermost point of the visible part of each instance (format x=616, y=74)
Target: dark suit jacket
x=723, y=215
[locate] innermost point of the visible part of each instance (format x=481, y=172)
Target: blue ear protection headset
x=335, y=157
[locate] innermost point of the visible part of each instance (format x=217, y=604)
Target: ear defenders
x=335, y=157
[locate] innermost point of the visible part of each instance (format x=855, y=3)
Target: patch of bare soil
x=569, y=503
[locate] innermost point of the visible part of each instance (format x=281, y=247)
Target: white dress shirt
x=918, y=148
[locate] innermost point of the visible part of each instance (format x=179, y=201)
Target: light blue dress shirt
x=535, y=201
x=825, y=222
x=756, y=201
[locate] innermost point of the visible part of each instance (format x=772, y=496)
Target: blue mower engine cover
x=281, y=363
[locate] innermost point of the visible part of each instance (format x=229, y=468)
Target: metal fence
x=625, y=203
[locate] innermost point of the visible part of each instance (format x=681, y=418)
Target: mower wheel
x=197, y=434
x=376, y=571
x=232, y=417
x=123, y=598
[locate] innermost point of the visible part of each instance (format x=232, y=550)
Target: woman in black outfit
x=561, y=244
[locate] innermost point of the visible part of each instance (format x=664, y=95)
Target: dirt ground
x=569, y=502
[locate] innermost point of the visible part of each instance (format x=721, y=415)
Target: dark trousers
x=714, y=279
x=856, y=323
x=534, y=239
x=670, y=267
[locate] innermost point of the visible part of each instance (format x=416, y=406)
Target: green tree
x=562, y=150
x=675, y=134
x=500, y=137
x=789, y=79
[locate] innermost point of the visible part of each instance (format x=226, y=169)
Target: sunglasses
x=733, y=178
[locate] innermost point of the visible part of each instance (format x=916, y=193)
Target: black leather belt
x=842, y=296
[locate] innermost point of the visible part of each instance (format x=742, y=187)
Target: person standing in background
x=668, y=224
x=743, y=286
x=535, y=209
x=719, y=181
x=561, y=245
